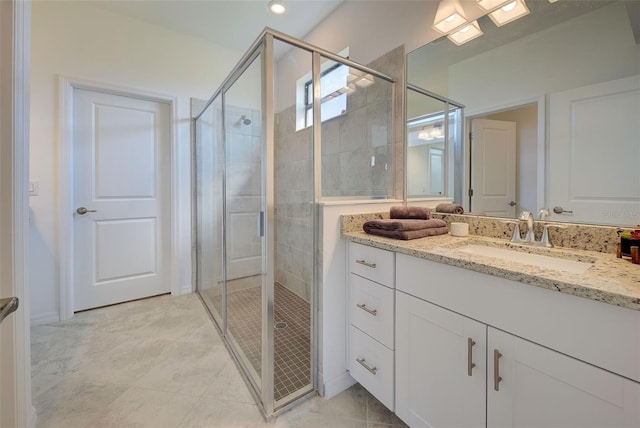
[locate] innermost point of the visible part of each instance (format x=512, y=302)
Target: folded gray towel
x=420, y=213
x=402, y=225
x=410, y=234
x=449, y=208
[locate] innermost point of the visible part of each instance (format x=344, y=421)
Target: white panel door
x=121, y=169
x=543, y=388
x=435, y=384
x=244, y=200
x=493, y=167
x=594, y=151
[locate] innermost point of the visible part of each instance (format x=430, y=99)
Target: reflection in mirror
x=568, y=76
x=431, y=138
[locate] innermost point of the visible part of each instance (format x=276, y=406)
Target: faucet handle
x=545, y=241
x=543, y=213
x=516, y=231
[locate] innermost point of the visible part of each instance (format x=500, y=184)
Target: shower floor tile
x=292, y=342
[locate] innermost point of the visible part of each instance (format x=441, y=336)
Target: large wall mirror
x=552, y=109
x=434, y=130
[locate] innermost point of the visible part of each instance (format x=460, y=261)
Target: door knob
x=513, y=203
x=83, y=211
x=560, y=210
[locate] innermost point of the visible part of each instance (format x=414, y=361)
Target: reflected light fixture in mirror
x=428, y=133
x=277, y=7
x=509, y=13
x=360, y=78
x=449, y=17
x=466, y=34
x=424, y=134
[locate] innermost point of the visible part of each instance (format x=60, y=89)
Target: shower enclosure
x=260, y=172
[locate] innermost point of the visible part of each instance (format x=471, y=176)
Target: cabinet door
x=532, y=386
x=435, y=384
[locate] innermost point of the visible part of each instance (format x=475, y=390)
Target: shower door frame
x=263, y=45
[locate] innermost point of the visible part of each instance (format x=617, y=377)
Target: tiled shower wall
x=361, y=157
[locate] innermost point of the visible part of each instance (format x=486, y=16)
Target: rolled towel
x=420, y=213
x=449, y=208
x=406, y=228
x=402, y=225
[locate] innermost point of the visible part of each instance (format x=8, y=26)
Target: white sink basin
x=538, y=260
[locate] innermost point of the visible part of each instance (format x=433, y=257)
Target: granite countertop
x=609, y=279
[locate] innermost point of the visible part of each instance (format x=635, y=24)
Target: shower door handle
x=261, y=224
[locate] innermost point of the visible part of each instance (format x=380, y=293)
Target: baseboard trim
x=46, y=318
x=33, y=418
x=186, y=289
x=335, y=386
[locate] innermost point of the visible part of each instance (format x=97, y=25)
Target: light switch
x=34, y=187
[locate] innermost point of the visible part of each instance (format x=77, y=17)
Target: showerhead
x=245, y=120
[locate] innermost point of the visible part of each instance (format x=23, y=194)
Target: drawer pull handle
x=470, y=363
x=362, y=306
x=496, y=369
x=367, y=264
x=363, y=363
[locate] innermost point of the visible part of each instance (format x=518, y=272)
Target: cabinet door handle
x=470, y=363
x=362, y=306
x=367, y=264
x=496, y=370
x=363, y=363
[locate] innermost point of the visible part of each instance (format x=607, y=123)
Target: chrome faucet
x=530, y=236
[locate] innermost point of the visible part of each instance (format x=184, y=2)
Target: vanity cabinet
x=441, y=366
x=453, y=371
x=529, y=385
x=474, y=350
x=371, y=317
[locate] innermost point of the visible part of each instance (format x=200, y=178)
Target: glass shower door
x=244, y=219
x=208, y=166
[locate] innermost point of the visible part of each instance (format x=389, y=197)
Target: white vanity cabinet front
x=456, y=364
x=371, y=315
x=440, y=366
x=533, y=386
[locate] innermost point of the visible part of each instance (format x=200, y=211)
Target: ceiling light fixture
x=449, y=17
x=491, y=5
x=467, y=33
x=509, y=13
x=277, y=7
x=424, y=134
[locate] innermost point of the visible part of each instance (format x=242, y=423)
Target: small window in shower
x=334, y=98
x=333, y=90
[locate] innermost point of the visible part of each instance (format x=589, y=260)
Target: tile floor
x=292, y=345
x=160, y=363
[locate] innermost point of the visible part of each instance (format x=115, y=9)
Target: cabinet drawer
x=378, y=378
x=371, y=309
x=372, y=263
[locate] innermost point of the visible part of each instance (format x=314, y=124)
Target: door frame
x=67, y=85
x=541, y=158
x=15, y=50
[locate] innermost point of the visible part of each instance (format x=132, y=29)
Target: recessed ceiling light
x=449, y=16
x=512, y=11
x=466, y=34
x=277, y=7
x=491, y=5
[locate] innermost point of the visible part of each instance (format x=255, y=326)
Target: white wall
x=75, y=39
x=373, y=28
x=370, y=29
x=595, y=47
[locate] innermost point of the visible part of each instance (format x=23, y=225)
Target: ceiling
x=233, y=24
